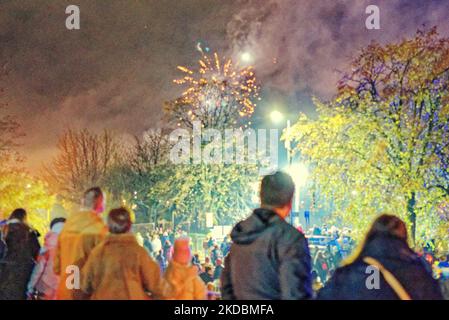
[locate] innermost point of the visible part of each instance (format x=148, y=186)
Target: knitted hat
x=181, y=253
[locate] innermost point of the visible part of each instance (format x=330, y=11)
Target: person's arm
x=227, y=290
x=37, y=272
x=295, y=267
x=87, y=278
x=57, y=258
x=34, y=244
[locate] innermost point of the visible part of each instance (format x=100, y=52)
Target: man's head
x=94, y=199
x=276, y=193
x=119, y=221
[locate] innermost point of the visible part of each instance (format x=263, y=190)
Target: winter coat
x=16, y=267
x=120, y=269
x=206, y=277
x=217, y=272
x=43, y=279
x=349, y=282
x=216, y=254
x=185, y=281
x=82, y=232
x=269, y=259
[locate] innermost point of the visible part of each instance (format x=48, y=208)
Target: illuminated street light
x=299, y=174
x=246, y=57
x=276, y=116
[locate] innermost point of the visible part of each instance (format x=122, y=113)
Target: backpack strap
x=389, y=278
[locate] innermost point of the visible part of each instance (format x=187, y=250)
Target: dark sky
x=116, y=71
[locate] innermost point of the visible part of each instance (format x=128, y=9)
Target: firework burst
x=219, y=94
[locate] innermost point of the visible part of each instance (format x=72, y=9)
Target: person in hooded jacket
x=183, y=275
x=383, y=268
x=22, y=248
x=119, y=268
x=44, y=282
x=269, y=259
x=82, y=232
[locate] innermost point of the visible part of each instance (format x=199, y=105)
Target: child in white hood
x=44, y=282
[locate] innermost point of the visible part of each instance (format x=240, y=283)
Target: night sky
x=116, y=71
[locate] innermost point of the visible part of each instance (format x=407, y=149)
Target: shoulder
x=289, y=234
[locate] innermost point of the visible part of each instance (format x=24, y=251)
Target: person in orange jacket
x=82, y=232
x=120, y=268
x=183, y=275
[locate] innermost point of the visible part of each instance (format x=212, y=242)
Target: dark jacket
x=16, y=267
x=349, y=282
x=269, y=259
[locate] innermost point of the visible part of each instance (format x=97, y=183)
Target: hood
x=127, y=238
x=183, y=271
x=57, y=227
x=390, y=248
x=84, y=221
x=246, y=231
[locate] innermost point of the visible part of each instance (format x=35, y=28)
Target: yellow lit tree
x=382, y=143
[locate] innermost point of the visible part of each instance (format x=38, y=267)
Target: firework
x=219, y=93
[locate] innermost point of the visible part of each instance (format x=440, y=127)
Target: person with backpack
x=383, y=268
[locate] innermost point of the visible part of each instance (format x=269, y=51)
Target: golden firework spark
x=219, y=89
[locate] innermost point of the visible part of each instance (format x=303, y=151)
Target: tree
x=17, y=188
x=20, y=190
x=142, y=165
x=194, y=190
x=382, y=143
x=83, y=161
x=220, y=95
x=10, y=131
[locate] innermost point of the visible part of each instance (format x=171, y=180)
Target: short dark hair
x=19, y=214
x=56, y=220
x=119, y=220
x=276, y=190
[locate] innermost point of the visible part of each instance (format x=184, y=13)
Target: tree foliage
x=382, y=143
x=20, y=190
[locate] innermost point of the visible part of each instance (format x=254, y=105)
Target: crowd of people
x=264, y=257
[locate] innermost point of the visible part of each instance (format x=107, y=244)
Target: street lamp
x=276, y=116
x=246, y=57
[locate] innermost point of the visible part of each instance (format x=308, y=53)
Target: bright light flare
x=299, y=173
x=246, y=57
x=276, y=116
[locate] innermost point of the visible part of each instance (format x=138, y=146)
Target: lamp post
x=298, y=171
